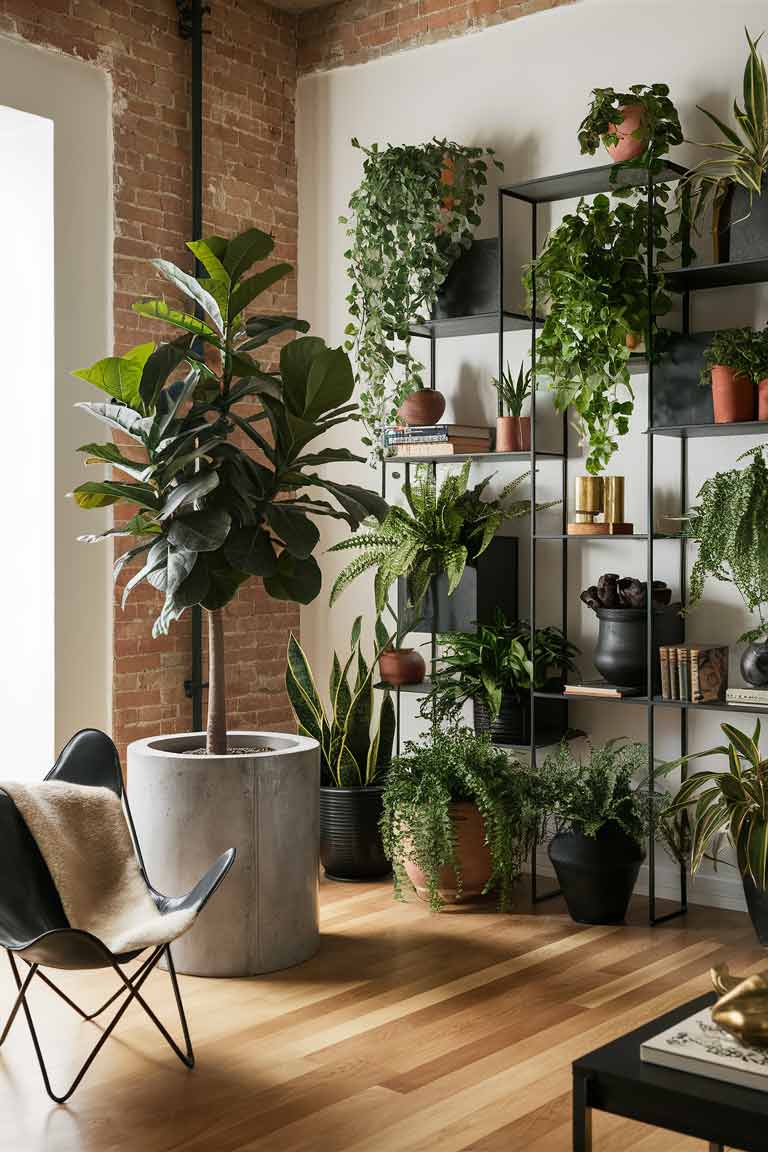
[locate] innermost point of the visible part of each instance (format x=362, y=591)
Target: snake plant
x=441, y=529
x=352, y=754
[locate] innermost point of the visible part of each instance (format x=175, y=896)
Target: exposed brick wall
x=354, y=31
x=249, y=179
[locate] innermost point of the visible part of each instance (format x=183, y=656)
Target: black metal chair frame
x=90, y=758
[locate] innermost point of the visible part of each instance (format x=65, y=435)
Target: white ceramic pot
x=188, y=809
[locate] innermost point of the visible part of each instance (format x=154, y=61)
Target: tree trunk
x=216, y=739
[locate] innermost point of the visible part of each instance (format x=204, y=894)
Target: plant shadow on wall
x=411, y=217
x=218, y=466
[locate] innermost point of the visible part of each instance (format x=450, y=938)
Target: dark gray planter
x=621, y=654
x=757, y=903
x=490, y=583
x=596, y=874
x=350, y=837
x=678, y=397
x=743, y=233
x=513, y=724
x=754, y=664
x=471, y=287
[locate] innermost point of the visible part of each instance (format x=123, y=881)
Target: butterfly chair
x=35, y=929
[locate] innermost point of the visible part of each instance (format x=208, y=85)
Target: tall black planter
x=513, y=724
x=350, y=837
x=471, y=287
x=743, y=233
x=597, y=875
x=621, y=653
x=678, y=396
x=488, y=584
x=757, y=903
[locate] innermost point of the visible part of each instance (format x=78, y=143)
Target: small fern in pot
x=460, y=817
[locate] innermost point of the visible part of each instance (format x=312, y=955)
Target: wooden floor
x=407, y=1033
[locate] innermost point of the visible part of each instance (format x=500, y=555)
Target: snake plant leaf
x=757, y=851
x=247, y=291
x=755, y=97
x=357, y=627
x=299, y=534
x=357, y=730
x=192, y=288
x=296, y=580
x=387, y=725
x=302, y=691
x=200, y=531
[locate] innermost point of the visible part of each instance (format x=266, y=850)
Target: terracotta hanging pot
x=402, y=666
x=629, y=147
x=733, y=395
x=448, y=178
x=762, y=400
x=425, y=406
x=472, y=853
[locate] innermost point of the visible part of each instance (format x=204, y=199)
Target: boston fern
x=439, y=530
x=207, y=514
x=413, y=213
x=352, y=753
x=445, y=767
x=592, y=274
x=730, y=524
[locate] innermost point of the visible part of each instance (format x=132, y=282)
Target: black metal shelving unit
x=533, y=193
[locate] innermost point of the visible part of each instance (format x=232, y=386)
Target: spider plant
x=513, y=392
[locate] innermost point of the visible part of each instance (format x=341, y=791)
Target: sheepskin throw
x=84, y=839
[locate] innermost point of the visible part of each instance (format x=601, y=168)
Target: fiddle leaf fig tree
x=218, y=471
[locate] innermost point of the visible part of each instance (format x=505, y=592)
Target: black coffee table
x=614, y=1079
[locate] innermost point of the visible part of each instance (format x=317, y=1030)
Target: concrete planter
x=188, y=809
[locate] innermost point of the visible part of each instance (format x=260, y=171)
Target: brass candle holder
x=595, y=496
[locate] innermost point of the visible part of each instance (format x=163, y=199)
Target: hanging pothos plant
x=414, y=212
x=592, y=273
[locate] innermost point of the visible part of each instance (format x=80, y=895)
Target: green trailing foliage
x=440, y=529
x=355, y=740
x=730, y=524
x=660, y=127
x=730, y=804
x=413, y=213
x=744, y=350
x=207, y=515
x=497, y=658
x=514, y=391
x=447, y=766
x=592, y=274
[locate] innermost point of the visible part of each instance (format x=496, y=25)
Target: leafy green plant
x=744, y=149
x=513, y=392
x=730, y=524
x=439, y=530
x=592, y=273
x=207, y=515
x=743, y=350
x=353, y=754
x=660, y=126
x=413, y=213
x=731, y=804
x=447, y=766
x=497, y=658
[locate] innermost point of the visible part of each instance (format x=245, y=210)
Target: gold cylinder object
x=589, y=498
x=614, y=499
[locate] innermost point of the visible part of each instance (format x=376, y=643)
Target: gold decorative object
x=589, y=498
x=596, y=494
x=613, y=488
x=742, y=1009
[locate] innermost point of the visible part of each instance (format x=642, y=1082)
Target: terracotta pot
x=632, y=340
x=523, y=433
x=402, y=666
x=513, y=433
x=472, y=853
x=733, y=396
x=425, y=406
x=628, y=146
x=762, y=400
x=448, y=177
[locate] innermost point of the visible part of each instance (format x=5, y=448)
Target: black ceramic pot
x=597, y=875
x=757, y=903
x=350, y=837
x=754, y=664
x=743, y=231
x=513, y=724
x=621, y=653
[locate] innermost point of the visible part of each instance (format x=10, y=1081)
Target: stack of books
x=747, y=696
x=438, y=440
x=601, y=688
x=697, y=673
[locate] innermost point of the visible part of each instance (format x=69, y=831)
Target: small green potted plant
x=513, y=430
x=734, y=181
x=736, y=368
x=460, y=817
x=355, y=739
x=730, y=524
x=437, y=534
x=638, y=126
x=731, y=802
x=495, y=668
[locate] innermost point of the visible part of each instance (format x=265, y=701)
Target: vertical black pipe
x=650, y=653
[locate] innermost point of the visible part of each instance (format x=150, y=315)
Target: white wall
x=522, y=88
x=75, y=99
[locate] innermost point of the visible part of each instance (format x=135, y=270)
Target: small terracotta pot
x=448, y=177
x=632, y=340
x=523, y=433
x=513, y=433
x=628, y=146
x=425, y=406
x=402, y=666
x=472, y=852
x=733, y=396
x=762, y=400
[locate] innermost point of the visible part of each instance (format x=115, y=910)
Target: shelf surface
x=694, y=431
x=480, y=457
x=712, y=706
x=476, y=325
x=641, y=699
x=701, y=276
x=588, y=182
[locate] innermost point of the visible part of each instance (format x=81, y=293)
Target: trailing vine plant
x=413, y=213
x=592, y=274
x=660, y=127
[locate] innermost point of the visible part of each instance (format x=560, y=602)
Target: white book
x=698, y=1045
